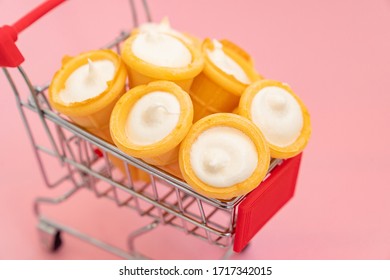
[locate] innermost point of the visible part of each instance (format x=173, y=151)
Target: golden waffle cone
x=214, y=91
x=233, y=121
x=92, y=114
x=142, y=72
x=244, y=110
x=165, y=151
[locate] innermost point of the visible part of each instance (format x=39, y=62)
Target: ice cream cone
x=247, y=109
x=164, y=150
x=92, y=114
x=235, y=185
x=142, y=72
x=215, y=91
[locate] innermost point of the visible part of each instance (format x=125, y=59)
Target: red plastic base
x=262, y=203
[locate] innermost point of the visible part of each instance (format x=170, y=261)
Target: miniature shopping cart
x=85, y=163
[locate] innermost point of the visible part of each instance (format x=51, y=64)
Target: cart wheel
x=50, y=237
x=57, y=242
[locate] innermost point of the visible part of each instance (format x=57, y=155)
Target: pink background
x=335, y=55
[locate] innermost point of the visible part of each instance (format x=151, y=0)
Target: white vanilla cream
x=161, y=49
x=152, y=118
x=87, y=81
x=223, y=156
x=278, y=115
x=227, y=64
x=164, y=27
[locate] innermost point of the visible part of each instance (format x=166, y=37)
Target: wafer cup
x=164, y=151
x=92, y=114
x=231, y=121
x=245, y=110
x=213, y=90
x=142, y=72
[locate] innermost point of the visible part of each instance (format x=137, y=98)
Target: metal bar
x=156, y=197
x=57, y=200
x=131, y=186
x=126, y=201
x=204, y=220
x=27, y=127
x=232, y=220
x=40, y=93
x=64, y=144
x=122, y=36
x=168, y=194
x=90, y=179
x=40, y=113
x=135, y=234
x=147, y=10
x=180, y=203
x=133, y=13
x=109, y=170
x=91, y=240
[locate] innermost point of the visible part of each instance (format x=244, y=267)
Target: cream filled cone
x=224, y=78
x=151, y=56
x=164, y=26
x=91, y=112
x=150, y=121
x=223, y=156
x=280, y=114
x=66, y=89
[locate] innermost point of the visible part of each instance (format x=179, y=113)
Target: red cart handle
x=10, y=55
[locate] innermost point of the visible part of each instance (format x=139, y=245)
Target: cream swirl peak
x=223, y=156
x=87, y=81
x=278, y=115
x=152, y=118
